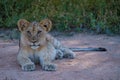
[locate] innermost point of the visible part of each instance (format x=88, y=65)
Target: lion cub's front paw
x=49, y=67
x=28, y=67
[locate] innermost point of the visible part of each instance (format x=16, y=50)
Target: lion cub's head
x=34, y=34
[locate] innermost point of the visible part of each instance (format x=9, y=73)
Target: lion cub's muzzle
x=34, y=44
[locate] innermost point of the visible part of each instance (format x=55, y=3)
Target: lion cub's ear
x=46, y=24
x=22, y=24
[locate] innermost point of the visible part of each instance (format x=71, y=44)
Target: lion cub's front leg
x=25, y=62
x=47, y=55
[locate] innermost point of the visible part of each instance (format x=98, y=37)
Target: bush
x=101, y=16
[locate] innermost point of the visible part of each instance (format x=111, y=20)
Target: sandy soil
x=86, y=65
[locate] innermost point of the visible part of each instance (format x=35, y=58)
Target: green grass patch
x=100, y=16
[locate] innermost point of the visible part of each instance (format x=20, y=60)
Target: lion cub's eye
x=39, y=32
x=28, y=32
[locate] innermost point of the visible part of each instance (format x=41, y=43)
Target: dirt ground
x=86, y=65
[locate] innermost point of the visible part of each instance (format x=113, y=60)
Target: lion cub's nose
x=34, y=40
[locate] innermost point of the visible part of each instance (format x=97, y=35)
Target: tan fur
x=37, y=46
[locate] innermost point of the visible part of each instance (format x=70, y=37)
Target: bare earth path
x=86, y=65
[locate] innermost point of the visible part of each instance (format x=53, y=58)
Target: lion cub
x=37, y=46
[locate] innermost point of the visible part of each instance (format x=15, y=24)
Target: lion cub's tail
x=88, y=49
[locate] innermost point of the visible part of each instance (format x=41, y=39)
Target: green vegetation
x=100, y=16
